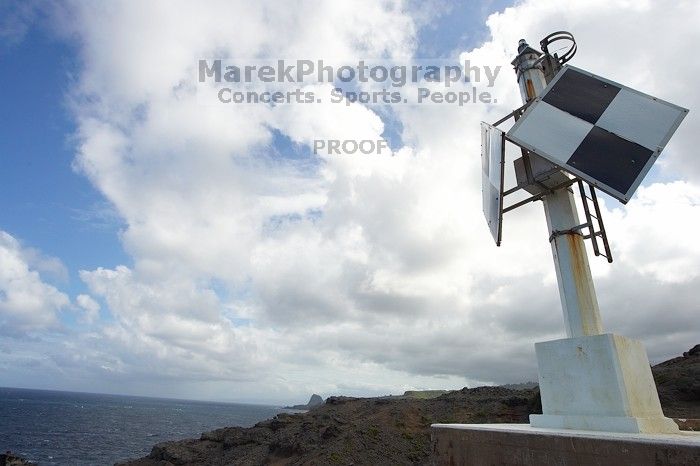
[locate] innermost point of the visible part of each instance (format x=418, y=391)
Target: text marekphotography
x=370, y=82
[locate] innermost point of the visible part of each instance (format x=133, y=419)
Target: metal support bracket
x=536, y=197
x=572, y=231
x=596, y=231
x=514, y=114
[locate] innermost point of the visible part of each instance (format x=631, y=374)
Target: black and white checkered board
x=605, y=133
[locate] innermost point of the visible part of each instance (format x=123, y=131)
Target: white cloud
x=349, y=273
x=90, y=307
x=656, y=232
x=26, y=302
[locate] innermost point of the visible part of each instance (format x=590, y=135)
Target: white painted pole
x=576, y=290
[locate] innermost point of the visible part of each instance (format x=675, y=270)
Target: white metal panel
x=492, y=164
x=553, y=133
x=641, y=118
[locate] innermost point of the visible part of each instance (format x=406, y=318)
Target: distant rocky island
x=315, y=400
x=395, y=430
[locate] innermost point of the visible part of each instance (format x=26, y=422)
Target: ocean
x=76, y=429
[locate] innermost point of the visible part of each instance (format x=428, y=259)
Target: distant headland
x=315, y=400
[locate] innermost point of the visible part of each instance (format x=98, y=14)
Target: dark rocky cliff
x=392, y=430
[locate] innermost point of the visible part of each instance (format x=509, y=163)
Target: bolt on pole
x=576, y=290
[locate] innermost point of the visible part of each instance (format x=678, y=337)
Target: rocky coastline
x=394, y=430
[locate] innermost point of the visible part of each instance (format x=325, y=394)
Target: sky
x=153, y=244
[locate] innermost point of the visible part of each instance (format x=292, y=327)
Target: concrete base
x=659, y=425
x=521, y=444
x=599, y=382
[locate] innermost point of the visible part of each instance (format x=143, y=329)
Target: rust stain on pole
x=590, y=320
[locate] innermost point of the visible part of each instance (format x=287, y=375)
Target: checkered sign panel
x=492, y=166
x=605, y=133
